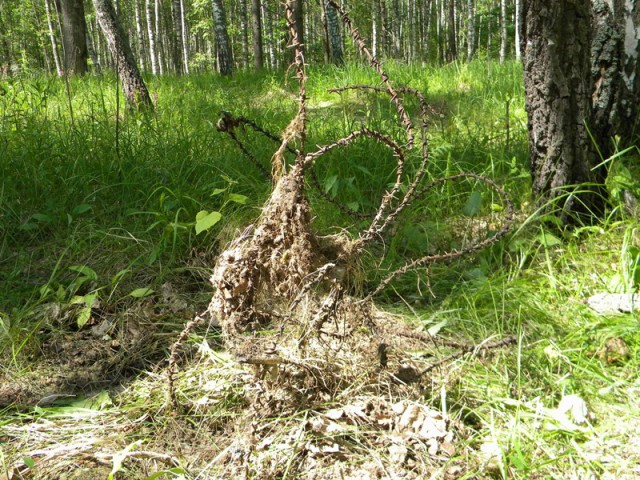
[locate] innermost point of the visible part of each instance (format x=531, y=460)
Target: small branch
x=377, y=66
x=228, y=123
x=170, y=400
x=453, y=254
x=473, y=349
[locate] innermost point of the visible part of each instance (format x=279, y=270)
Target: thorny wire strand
x=453, y=254
x=378, y=225
x=228, y=123
x=298, y=126
x=419, y=175
x=376, y=230
x=471, y=349
x=377, y=66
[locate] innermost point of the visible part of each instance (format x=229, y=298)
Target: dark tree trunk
x=74, y=37
x=557, y=72
x=224, y=52
x=333, y=34
x=133, y=86
x=256, y=33
x=298, y=19
x=176, y=36
x=453, y=37
x=244, y=33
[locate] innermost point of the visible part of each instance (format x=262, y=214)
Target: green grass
x=105, y=201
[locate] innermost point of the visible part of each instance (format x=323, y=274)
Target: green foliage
x=92, y=220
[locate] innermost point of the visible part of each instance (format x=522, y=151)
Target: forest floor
x=105, y=256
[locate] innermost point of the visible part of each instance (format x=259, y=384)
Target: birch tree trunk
x=396, y=20
x=271, y=44
x=152, y=37
x=256, y=34
x=223, y=45
x=518, y=25
x=374, y=27
x=471, y=30
x=142, y=52
x=333, y=32
x=176, y=37
x=244, y=33
x=185, y=38
x=74, y=40
x=52, y=38
x=503, y=30
x=616, y=72
x=158, y=37
x=134, y=88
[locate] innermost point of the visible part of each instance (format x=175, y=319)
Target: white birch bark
x=153, y=57
x=52, y=38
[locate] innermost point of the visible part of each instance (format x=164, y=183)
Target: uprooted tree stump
x=282, y=293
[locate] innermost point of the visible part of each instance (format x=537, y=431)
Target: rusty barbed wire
x=377, y=66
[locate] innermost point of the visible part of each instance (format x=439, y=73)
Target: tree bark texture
x=298, y=20
x=518, y=28
x=153, y=57
x=471, y=30
x=133, y=86
x=616, y=72
x=244, y=33
x=224, y=52
x=452, y=53
x=503, y=30
x=558, y=86
x=176, y=36
x=333, y=34
x=256, y=34
x=184, y=35
x=74, y=37
x=52, y=39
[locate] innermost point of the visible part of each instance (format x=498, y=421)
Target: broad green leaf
x=84, y=316
x=205, y=220
x=218, y=191
x=118, y=276
x=88, y=272
x=28, y=462
x=549, y=240
x=163, y=474
x=329, y=183
x=76, y=300
x=41, y=217
x=229, y=180
x=80, y=209
x=118, y=458
x=141, y=292
x=90, y=299
x=236, y=197
x=472, y=207
x=435, y=329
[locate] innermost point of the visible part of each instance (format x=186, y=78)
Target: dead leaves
x=402, y=428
